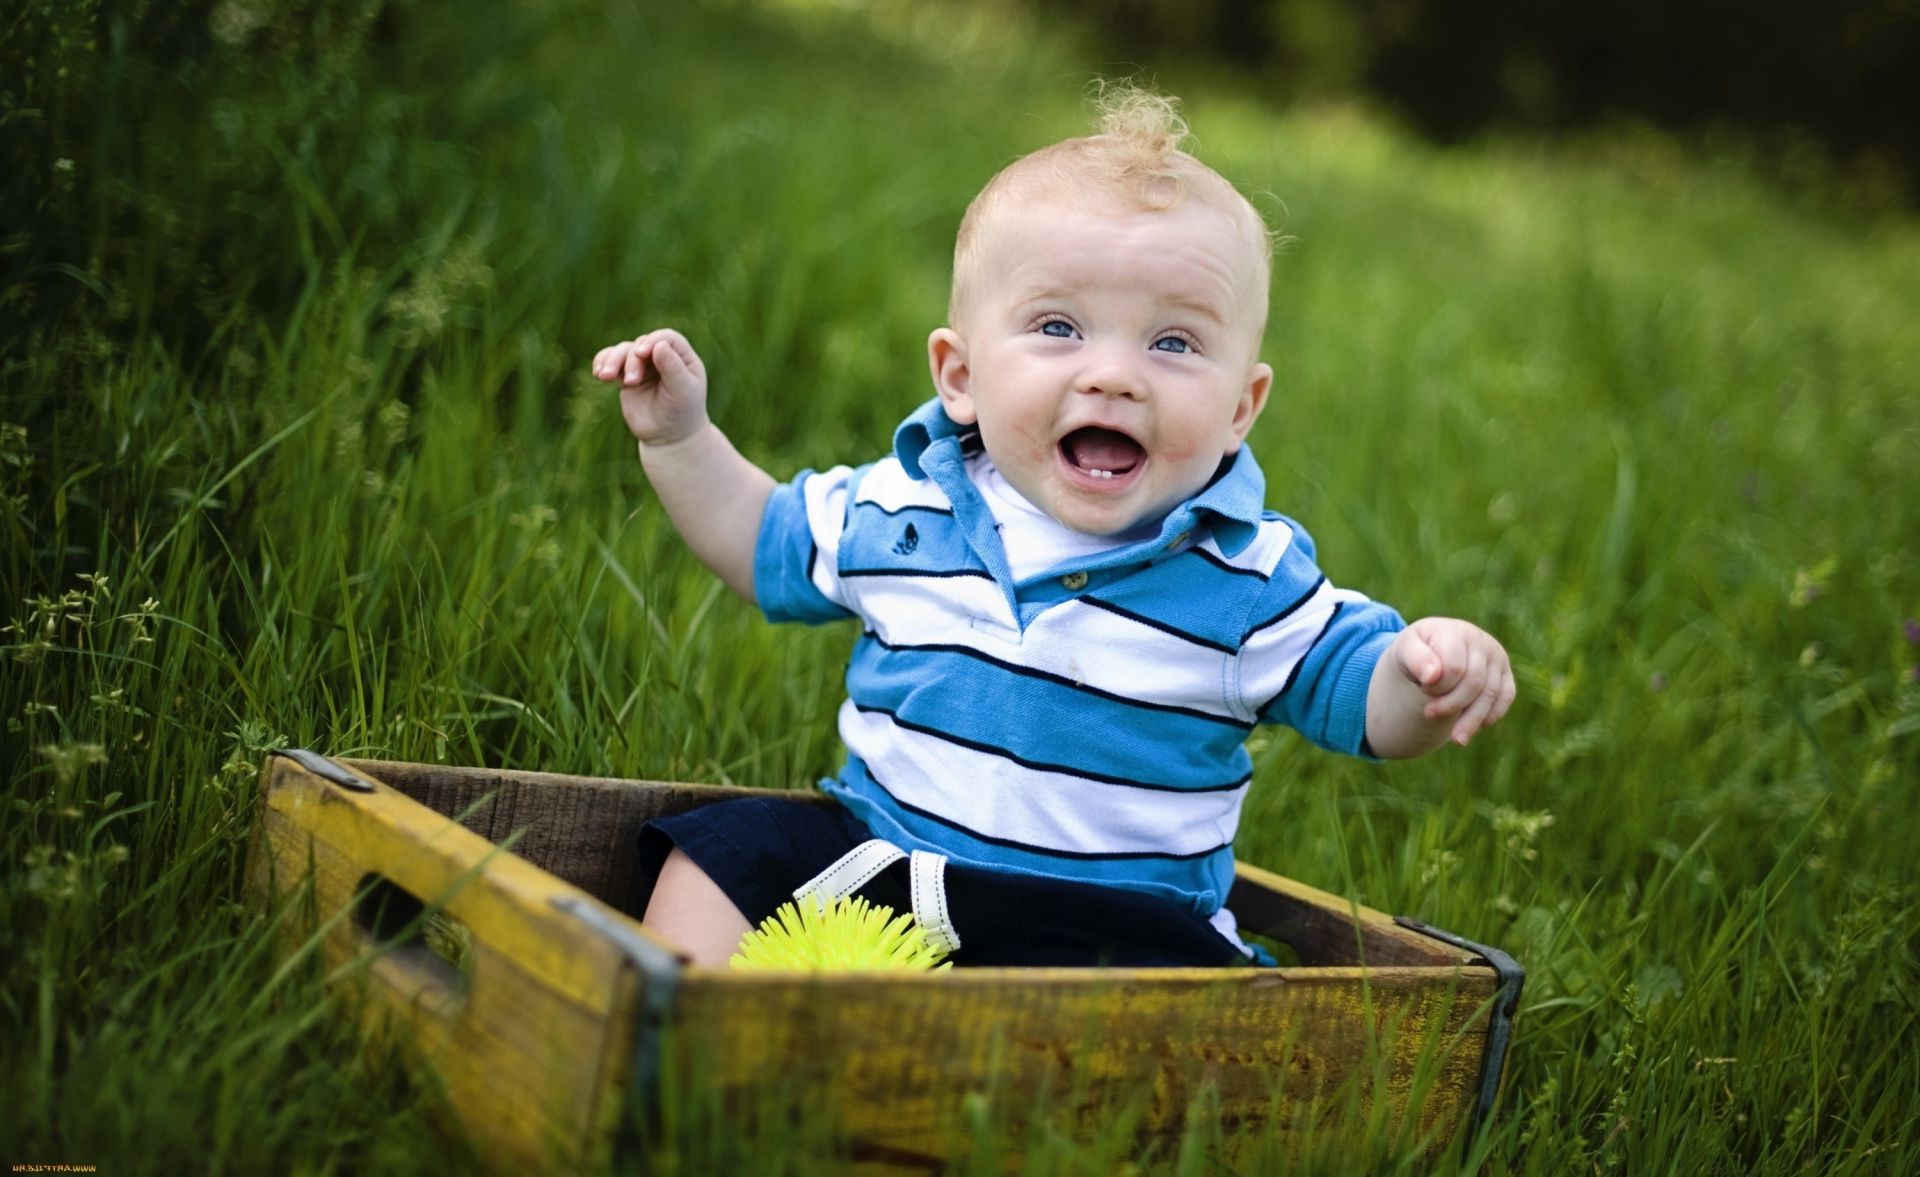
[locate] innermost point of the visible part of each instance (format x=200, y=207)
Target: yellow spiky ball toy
x=847, y=933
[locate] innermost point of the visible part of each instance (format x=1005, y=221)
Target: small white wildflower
x=394, y=417
x=70, y=760
x=534, y=518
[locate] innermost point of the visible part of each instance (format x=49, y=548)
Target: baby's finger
x=637, y=357
x=668, y=361
x=676, y=369
x=1478, y=714
x=606, y=361
x=1472, y=681
x=1417, y=660
x=1508, y=690
x=1450, y=646
x=671, y=339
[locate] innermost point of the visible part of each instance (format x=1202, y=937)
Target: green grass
x=309, y=377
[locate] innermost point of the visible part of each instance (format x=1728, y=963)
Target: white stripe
x=826, y=499
x=1262, y=555
x=1269, y=655
x=1080, y=643
x=994, y=797
x=889, y=487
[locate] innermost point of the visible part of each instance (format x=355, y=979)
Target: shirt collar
x=1230, y=506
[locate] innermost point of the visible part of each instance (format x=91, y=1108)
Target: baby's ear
x=952, y=378
x=1253, y=398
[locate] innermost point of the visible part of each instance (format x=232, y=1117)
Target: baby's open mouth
x=1101, y=453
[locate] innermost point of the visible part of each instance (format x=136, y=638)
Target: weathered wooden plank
x=583, y=829
x=1325, y=929
x=533, y=1041
x=901, y=1054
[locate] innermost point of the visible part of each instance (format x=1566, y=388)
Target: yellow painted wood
x=535, y=1040
x=536, y=1045
x=902, y=1053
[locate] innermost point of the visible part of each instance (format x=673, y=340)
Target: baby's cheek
x=1183, y=450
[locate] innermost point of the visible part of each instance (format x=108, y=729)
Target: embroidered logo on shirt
x=907, y=542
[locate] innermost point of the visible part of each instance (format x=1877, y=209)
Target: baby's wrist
x=661, y=444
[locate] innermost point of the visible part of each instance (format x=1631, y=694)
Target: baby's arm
x=714, y=496
x=1441, y=678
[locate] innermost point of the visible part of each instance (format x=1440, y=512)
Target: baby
x=1074, y=605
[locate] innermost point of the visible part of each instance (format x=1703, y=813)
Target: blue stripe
x=978, y=699
x=1193, y=595
x=977, y=745
x=783, y=560
x=1044, y=722
x=999, y=681
x=1287, y=612
x=1162, y=626
x=931, y=546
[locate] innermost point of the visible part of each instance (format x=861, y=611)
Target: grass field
x=299, y=447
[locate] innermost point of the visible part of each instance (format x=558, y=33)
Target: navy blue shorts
x=758, y=849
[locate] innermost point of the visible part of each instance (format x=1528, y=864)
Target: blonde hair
x=1135, y=157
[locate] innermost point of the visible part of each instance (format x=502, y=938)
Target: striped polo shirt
x=1087, y=722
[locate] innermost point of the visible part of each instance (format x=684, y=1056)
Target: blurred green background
x=297, y=446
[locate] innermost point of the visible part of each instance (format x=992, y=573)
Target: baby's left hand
x=1462, y=670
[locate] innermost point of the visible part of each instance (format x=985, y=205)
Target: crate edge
x=1506, y=1005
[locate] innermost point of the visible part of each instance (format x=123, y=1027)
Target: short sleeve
x=1307, y=659
x=796, y=559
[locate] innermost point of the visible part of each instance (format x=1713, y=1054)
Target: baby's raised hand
x=1461, y=669
x=663, y=385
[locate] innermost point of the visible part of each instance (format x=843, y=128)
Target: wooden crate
x=555, y=1019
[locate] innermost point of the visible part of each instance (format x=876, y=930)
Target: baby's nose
x=1111, y=371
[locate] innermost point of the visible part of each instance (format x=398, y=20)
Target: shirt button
x=1073, y=582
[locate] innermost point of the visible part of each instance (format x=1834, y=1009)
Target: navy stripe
x=1294, y=674
x=1042, y=766
x=1223, y=566
x=904, y=507
x=1045, y=676
x=979, y=572
x=1162, y=626
x=1043, y=851
x=1287, y=612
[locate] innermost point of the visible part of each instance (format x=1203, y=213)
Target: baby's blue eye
x=1065, y=329
x=1172, y=343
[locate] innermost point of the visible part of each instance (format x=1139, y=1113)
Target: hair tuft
x=1148, y=124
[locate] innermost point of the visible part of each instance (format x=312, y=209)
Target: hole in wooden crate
x=424, y=938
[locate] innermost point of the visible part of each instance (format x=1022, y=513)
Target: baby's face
x=1108, y=356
